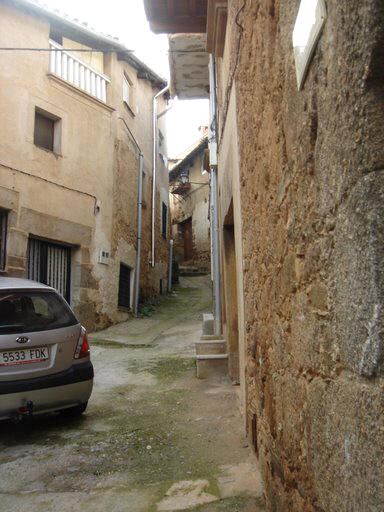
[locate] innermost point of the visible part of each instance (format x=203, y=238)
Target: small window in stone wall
x=3, y=237
x=124, y=296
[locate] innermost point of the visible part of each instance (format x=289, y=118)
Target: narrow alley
x=154, y=437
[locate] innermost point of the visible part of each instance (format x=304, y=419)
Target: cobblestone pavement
x=154, y=438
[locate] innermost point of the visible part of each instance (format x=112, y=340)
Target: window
x=3, y=237
x=124, y=297
x=127, y=92
x=164, y=212
x=26, y=311
x=47, y=130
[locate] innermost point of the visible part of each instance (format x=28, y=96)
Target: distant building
x=69, y=165
x=189, y=203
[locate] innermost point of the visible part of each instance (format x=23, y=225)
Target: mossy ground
x=135, y=439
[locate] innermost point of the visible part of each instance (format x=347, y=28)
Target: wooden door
x=187, y=234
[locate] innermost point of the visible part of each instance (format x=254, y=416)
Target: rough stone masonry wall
x=312, y=187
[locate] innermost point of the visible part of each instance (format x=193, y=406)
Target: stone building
x=302, y=235
x=189, y=205
x=69, y=163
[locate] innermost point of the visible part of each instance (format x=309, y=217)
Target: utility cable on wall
x=232, y=76
x=13, y=169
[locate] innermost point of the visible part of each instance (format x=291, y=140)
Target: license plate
x=24, y=356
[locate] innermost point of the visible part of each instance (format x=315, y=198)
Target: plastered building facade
x=300, y=208
x=69, y=166
x=189, y=203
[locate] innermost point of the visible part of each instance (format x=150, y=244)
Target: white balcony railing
x=74, y=71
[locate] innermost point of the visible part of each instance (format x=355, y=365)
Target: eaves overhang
x=188, y=63
x=176, y=16
x=195, y=28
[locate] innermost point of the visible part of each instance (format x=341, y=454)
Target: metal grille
x=50, y=264
x=3, y=237
x=124, y=299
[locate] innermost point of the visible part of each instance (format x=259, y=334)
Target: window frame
x=56, y=135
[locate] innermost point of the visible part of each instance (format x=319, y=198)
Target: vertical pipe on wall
x=154, y=169
x=136, y=287
x=215, y=260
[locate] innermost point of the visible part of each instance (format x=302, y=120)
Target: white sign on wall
x=309, y=23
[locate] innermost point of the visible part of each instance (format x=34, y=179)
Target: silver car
x=44, y=352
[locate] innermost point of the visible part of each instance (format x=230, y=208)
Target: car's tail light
x=82, y=348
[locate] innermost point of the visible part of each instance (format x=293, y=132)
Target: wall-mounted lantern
x=309, y=23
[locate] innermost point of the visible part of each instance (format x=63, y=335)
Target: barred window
x=124, y=296
x=3, y=237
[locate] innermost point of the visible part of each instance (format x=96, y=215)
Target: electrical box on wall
x=104, y=257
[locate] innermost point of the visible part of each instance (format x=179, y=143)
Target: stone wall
x=312, y=188
x=85, y=195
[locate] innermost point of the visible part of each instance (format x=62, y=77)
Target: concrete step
x=208, y=324
x=211, y=346
x=190, y=271
x=188, y=268
x=211, y=365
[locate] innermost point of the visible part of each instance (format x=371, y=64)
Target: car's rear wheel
x=77, y=410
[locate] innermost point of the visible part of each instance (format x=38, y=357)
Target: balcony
x=180, y=188
x=73, y=70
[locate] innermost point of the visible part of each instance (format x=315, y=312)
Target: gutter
x=136, y=286
x=215, y=245
x=154, y=168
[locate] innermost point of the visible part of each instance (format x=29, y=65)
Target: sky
x=126, y=20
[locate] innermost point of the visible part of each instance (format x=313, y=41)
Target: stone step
x=211, y=365
x=188, y=268
x=190, y=271
x=210, y=346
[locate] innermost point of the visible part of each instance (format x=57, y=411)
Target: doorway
x=186, y=228
x=230, y=287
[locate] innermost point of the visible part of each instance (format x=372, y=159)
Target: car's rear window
x=28, y=311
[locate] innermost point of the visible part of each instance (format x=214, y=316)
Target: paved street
x=154, y=438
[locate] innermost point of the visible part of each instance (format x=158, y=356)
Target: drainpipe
x=136, y=286
x=154, y=169
x=170, y=265
x=215, y=256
